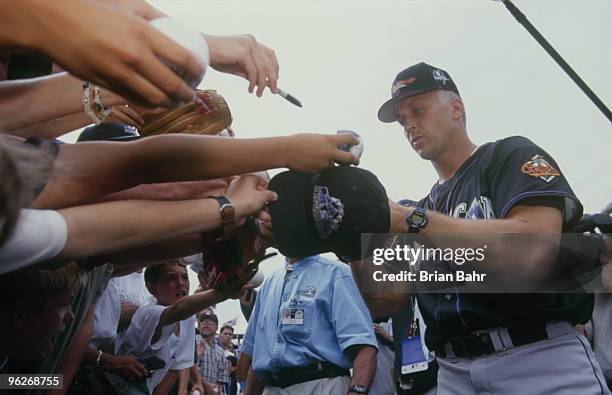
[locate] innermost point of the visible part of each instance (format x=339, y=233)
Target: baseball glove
x=228, y=264
x=208, y=114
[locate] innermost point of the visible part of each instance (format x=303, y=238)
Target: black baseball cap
x=109, y=132
x=414, y=80
x=327, y=211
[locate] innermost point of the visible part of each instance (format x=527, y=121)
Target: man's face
x=226, y=336
x=208, y=327
x=172, y=284
x=39, y=328
x=428, y=122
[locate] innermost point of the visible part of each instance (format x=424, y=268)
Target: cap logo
x=327, y=211
x=132, y=131
x=400, y=84
x=439, y=75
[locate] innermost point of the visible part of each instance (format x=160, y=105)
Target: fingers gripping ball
x=356, y=150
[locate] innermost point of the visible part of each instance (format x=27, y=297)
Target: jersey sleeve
x=519, y=171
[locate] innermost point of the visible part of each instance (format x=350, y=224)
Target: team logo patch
x=439, y=75
x=400, y=84
x=538, y=167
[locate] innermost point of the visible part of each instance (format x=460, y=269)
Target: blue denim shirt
x=335, y=317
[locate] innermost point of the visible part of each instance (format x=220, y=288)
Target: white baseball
x=189, y=38
x=356, y=150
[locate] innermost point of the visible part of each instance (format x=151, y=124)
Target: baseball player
x=491, y=343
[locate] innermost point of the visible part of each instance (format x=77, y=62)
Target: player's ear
x=457, y=108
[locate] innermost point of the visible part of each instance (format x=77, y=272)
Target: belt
x=500, y=339
x=290, y=376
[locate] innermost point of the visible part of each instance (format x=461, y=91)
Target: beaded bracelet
x=92, y=103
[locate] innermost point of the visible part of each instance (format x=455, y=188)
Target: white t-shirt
x=39, y=235
x=106, y=317
x=185, y=352
x=137, y=340
x=132, y=289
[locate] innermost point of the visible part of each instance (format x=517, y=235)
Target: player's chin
x=425, y=154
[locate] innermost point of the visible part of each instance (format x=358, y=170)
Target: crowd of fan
x=79, y=222
x=97, y=237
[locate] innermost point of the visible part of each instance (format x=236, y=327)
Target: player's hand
x=309, y=153
x=244, y=56
x=118, y=50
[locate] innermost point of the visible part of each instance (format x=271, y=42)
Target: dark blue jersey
x=498, y=176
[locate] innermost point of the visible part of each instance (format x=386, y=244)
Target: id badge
x=413, y=356
x=293, y=317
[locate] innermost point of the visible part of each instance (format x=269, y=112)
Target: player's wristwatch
x=358, y=389
x=417, y=220
x=228, y=216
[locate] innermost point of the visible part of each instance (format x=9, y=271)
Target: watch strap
x=417, y=220
x=228, y=216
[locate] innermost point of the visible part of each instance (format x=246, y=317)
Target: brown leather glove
x=209, y=114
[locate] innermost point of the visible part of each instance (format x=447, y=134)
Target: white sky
x=340, y=57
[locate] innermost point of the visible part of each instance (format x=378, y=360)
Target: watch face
x=417, y=219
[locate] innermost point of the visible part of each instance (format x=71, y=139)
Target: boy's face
x=226, y=336
x=172, y=284
x=39, y=329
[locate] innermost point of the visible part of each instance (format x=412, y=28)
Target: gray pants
x=334, y=386
x=563, y=364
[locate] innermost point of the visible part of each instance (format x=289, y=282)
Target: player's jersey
x=497, y=177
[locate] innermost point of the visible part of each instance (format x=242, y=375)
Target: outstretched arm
x=37, y=101
x=89, y=170
x=113, y=226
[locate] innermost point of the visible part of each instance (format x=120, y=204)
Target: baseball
x=188, y=38
x=356, y=150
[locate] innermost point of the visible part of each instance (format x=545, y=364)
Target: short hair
x=208, y=314
x=450, y=95
x=35, y=286
x=151, y=274
x=226, y=327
